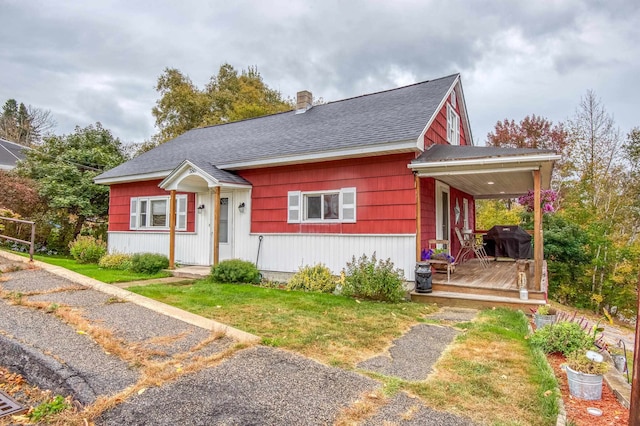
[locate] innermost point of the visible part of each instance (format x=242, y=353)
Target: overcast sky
x=89, y=61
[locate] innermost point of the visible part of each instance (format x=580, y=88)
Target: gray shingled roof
x=391, y=116
x=219, y=175
x=10, y=153
x=442, y=153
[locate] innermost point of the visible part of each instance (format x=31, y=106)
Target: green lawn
x=493, y=375
x=333, y=329
x=94, y=271
x=490, y=373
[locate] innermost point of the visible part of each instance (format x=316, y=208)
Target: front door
x=226, y=225
x=443, y=228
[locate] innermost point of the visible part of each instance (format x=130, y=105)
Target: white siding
x=287, y=252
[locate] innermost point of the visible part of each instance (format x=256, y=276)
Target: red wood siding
x=428, y=212
x=459, y=195
x=385, y=195
x=120, y=199
x=437, y=132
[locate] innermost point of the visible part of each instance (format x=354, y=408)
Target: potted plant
x=439, y=254
x=544, y=315
x=584, y=374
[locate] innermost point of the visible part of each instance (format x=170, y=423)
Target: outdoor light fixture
x=241, y=207
x=201, y=207
x=490, y=183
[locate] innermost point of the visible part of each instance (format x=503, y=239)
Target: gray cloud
x=88, y=61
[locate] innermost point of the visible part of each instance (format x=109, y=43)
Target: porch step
x=499, y=292
x=470, y=300
x=195, y=272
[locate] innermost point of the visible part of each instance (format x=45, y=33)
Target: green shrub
x=149, y=263
x=566, y=337
x=372, y=279
x=86, y=249
x=120, y=261
x=235, y=271
x=313, y=278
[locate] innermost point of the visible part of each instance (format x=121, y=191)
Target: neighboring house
x=10, y=154
x=382, y=173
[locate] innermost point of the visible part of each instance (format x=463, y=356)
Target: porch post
x=537, y=231
x=418, y=220
x=172, y=230
x=216, y=226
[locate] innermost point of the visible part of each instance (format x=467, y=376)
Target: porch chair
x=471, y=245
x=441, y=244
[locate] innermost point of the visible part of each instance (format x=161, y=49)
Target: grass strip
x=335, y=330
x=94, y=271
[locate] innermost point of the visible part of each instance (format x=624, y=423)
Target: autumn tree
x=631, y=151
x=534, y=132
x=590, y=243
x=25, y=125
x=597, y=197
x=229, y=96
x=20, y=195
x=531, y=132
x=64, y=168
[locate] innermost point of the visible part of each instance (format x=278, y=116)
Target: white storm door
x=443, y=209
x=226, y=225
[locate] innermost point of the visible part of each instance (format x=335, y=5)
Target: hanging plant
x=548, y=198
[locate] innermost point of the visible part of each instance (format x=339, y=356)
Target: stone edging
x=171, y=311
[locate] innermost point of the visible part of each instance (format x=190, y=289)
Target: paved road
x=164, y=371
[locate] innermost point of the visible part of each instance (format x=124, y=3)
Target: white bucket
x=524, y=294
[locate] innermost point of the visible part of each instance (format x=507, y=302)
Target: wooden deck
x=471, y=285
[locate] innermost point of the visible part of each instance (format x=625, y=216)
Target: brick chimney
x=305, y=101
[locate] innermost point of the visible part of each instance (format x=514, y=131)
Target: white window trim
x=135, y=216
x=453, y=126
x=301, y=207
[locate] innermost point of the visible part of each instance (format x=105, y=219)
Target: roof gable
x=10, y=154
x=382, y=122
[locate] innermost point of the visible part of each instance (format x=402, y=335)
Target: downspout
x=418, y=219
x=216, y=226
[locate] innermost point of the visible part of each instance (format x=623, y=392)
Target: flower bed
x=613, y=413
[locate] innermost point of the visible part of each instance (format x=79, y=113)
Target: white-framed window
x=453, y=98
x=153, y=212
x=453, y=126
x=331, y=206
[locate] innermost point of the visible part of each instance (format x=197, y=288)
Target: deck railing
x=31, y=243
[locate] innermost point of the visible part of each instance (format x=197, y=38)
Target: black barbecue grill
x=508, y=241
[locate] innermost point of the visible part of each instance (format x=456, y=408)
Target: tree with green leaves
x=64, y=168
x=591, y=243
x=24, y=125
x=229, y=96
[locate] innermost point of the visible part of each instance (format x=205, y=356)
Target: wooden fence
x=31, y=243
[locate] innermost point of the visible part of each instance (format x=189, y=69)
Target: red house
x=383, y=172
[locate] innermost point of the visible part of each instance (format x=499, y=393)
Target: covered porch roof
x=198, y=176
x=486, y=172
